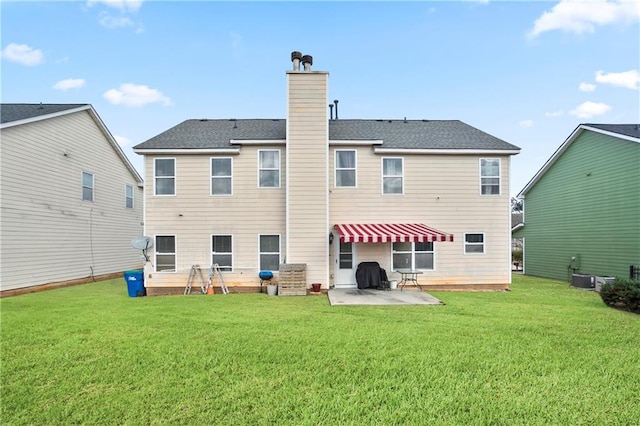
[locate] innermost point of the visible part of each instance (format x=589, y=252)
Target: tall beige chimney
x=307, y=157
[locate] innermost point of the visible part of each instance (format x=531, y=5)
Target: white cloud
x=579, y=16
x=121, y=20
x=22, y=54
x=134, y=95
x=558, y=113
x=629, y=79
x=69, y=83
x=589, y=109
x=111, y=22
x=122, y=141
x=526, y=123
x=587, y=87
x=121, y=5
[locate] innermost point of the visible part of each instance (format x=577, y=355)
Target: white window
x=490, y=176
x=87, y=186
x=221, y=176
x=415, y=256
x=346, y=255
x=269, y=168
x=345, y=176
x=165, y=176
x=165, y=253
x=128, y=196
x=269, y=252
x=473, y=243
x=392, y=176
x=222, y=252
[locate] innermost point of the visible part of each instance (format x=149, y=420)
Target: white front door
x=345, y=265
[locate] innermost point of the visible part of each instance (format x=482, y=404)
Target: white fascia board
x=96, y=118
x=257, y=141
x=518, y=226
x=115, y=144
x=408, y=151
x=158, y=151
x=612, y=134
x=356, y=142
x=562, y=148
x=44, y=117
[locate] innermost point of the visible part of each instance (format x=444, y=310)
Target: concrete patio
x=354, y=296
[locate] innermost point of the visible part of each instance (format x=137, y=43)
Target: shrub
x=623, y=293
x=516, y=255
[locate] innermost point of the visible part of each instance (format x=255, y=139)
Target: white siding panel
x=48, y=233
x=307, y=150
x=193, y=215
x=441, y=191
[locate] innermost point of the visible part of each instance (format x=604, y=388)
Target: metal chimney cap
x=296, y=55
x=307, y=59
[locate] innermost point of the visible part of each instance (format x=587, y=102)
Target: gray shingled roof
x=632, y=130
x=412, y=134
x=16, y=112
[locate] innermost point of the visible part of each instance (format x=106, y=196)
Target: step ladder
x=196, y=273
x=215, y=272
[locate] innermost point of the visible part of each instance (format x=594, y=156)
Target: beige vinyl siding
x=48, y=233
x=193, y=215
x=307, y=185
x=442, y=191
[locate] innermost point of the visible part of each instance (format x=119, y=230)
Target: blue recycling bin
x=135, y=282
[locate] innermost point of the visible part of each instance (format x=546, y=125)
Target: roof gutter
x=159, y=151
x=257, y=141
x=435, y=151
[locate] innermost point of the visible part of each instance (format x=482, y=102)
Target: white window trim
x=413, y=257
x=212, y=177
x=93, y=186
x=384, y=176
x=279, y=249
x=231, y=253
x=155, y=253
x=336, y=169
x=465, y=244
x=126, y=197
x=175, y=177
x=499, y=176
x=278, y=169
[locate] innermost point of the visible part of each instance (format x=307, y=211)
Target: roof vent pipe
x=336, y=102
x=295, y=58
x=330, y=111
x=307, y=61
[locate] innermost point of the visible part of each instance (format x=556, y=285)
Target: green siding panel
x=586, y=204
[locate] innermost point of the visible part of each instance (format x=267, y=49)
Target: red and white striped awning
x=390, y=233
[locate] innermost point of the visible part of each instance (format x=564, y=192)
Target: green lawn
x=541, y=354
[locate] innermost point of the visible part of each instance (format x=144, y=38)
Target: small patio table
x=409, y=276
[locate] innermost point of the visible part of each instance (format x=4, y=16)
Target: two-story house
x=250, y=194
x=71, y=201
x=582, y=208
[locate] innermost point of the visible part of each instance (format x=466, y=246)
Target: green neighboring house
x=582, y=208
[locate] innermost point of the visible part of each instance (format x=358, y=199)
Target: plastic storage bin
x=135, y=282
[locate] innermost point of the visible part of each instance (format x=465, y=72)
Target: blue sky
x=526, y=72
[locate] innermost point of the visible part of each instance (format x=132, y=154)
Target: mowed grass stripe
x=543, y=353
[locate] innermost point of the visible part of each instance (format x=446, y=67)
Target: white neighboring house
x=71, y=201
